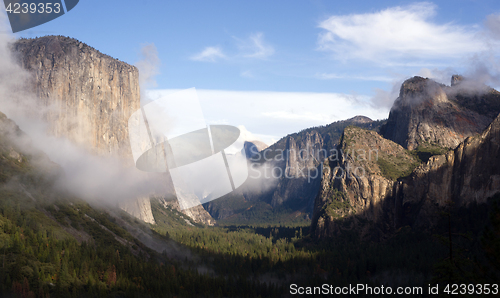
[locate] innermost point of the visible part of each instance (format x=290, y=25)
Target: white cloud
x=272, y=115
x=209, y=54
x=256, y=47
x=247, y=135
x=397, y=34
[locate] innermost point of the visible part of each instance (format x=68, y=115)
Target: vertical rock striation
x=92, y=95
x=392, y=192
x=360, y=184
x=296, y=159
x=88, y=98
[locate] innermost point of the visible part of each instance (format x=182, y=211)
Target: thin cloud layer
x=272, y=115
x=247, y=74
x=209, y=54
x=397, y=34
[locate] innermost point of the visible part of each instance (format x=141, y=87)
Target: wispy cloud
x=209, y=54
x=397, y=34
x=255, y=46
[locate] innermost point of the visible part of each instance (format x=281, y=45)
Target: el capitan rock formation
x=89, y=97
x=93, y=94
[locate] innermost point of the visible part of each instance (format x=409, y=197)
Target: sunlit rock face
x=427, y=112
x=197, y=213
x=140, y=208
x=354, y=184
x=89, y=95
x=378, y=202
x=88, y=98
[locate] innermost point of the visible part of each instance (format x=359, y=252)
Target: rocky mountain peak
x=61, y=46
x=398, y=187
x=427, y=113
x=360, y=119
x=456, y=79
x=418, y=90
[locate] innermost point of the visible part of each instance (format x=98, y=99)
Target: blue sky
x=276, y=67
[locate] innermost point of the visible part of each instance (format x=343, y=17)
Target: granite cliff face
x=303, y=154
x=93, y=94
x=395, y=190
x=469, y=174
x=197, y=213
x=89, y=97
x=300, y=157
x=427, y=113
x=294, y=160
x=359, y=183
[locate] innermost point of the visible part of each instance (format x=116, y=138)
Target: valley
x=420, y=207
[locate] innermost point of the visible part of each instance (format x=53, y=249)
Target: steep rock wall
x=430, y=113
x=376, y=204
x=468, y=174
x=89, y=97
x=295, y=160
x=358, y=183
x=93, y=94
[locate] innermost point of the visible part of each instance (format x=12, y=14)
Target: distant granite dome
x=252, y=147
